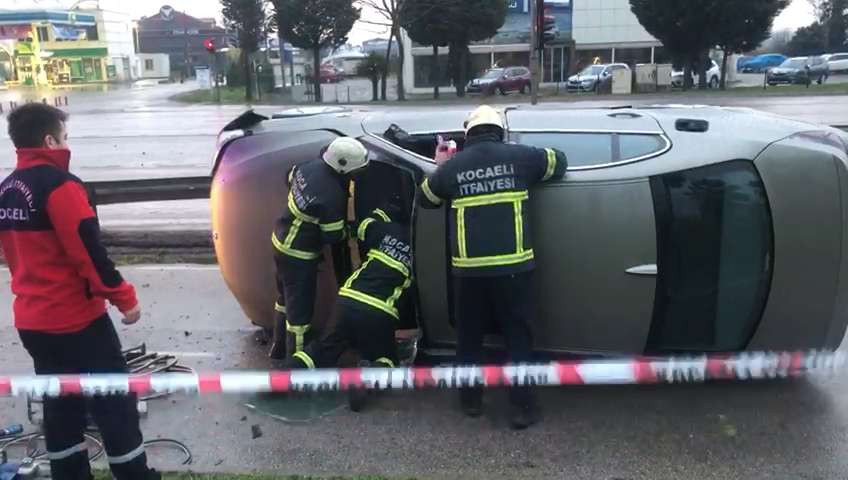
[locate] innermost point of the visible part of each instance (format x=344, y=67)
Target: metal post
x=534, y=54
x=217, y=77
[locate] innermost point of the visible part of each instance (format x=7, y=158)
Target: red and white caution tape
x=639, y=370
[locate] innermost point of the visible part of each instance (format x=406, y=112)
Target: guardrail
x=148, y=190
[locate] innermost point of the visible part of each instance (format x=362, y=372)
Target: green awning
x=23, y=49
x=79, y=52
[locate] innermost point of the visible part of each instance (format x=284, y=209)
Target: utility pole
x=534, y=51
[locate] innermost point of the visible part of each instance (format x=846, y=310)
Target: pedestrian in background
x=61, y=278
x=487, y=187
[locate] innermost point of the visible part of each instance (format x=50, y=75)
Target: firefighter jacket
x=317, y=206
x=487, y=188
x=61, y=273
x=387, y=270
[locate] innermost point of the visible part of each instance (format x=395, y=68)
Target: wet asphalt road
x=782, y=430
x=134, y=133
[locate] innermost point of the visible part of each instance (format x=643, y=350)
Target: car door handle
x=643, y=270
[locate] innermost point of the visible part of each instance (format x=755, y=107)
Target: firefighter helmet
x=484, y=115
x=346, y=155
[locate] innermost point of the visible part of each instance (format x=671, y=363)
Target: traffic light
x=209, y=45
x=546, y=28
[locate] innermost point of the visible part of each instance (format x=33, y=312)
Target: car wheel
x=502, y=91
x=714, y=82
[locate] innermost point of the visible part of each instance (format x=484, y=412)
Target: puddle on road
x=297, y=408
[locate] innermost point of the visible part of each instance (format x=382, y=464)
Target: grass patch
x=229, y=96
x=104, y=475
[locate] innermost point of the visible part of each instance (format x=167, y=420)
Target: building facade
x=181, y=36
x=607, y=31
x=588, y=31
x=52, y=47
x=509, y=47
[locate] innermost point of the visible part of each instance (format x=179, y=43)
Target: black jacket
x=387, y=269
x=317, y=207
x=487, y=185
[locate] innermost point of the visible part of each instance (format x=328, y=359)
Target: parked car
x=837, y=62
x=594, y=77
x=713, y=76
x=676, y=229
x=331, y=74
x=741, y=61
x=799, y=71
x=761, y=63
x=502, y=80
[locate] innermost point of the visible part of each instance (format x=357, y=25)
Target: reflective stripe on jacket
x=487, y=187
x=387, y=270
x=316, y=209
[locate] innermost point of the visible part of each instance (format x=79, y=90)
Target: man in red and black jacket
x=62, y=278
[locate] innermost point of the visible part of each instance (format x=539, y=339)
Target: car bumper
x=579, y=87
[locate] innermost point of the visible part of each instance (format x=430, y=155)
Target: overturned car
x=676, y=228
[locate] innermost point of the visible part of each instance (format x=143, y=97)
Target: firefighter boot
x=524, y=408
x=278, y=342
x=471, y=400
x=358, y=397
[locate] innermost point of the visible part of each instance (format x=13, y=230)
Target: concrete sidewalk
x=718, y=431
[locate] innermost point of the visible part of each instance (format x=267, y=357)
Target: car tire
x=502, y=91
x=714, y=82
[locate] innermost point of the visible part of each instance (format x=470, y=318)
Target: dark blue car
x=761, y=63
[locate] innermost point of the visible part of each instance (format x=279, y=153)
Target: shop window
x=423, y=70
x=91, y=33
x=43, y=35
x=148, y=65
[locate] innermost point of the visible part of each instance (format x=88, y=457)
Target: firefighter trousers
x=508, y=300
x=296, y=289
x=95, y=349
x=367, y=330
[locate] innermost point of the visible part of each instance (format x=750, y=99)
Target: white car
x=713, y=76
x=837, y=62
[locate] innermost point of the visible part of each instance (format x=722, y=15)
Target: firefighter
x=317, y=210
x=368, y=310
x=62, y=278
x=486, y=187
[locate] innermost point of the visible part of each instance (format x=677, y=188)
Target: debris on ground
x=255, y=431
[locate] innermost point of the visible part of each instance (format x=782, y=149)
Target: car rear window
x=594, y=150
x=715, y=249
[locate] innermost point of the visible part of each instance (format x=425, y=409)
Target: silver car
x=676, y=229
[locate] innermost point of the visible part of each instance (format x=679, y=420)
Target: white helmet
x=484, y=115
x=345, y=155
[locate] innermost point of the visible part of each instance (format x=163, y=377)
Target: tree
x=686, y=29
x=314, y=25
x=389, y=12
x=469, y=21
x=833, y=17
x=743, y=26
x=809, y=40
x=424, y=22
x=373, y=67
x=247, y=19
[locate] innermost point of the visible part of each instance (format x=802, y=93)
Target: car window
x=714, y=244
x=586, y=150
x=840, y=56
x=794, y=63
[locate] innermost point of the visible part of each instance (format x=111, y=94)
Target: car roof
x=730, y=135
